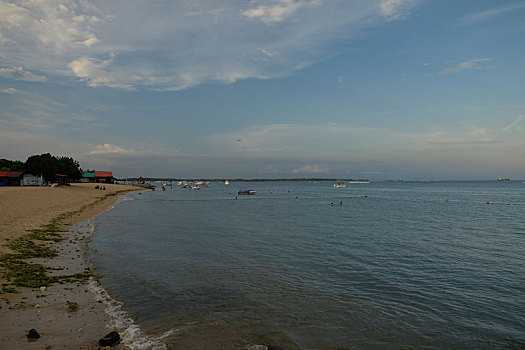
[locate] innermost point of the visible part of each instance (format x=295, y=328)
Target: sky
x=376, y=89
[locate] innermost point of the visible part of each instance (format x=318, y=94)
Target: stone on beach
x=110, y=339
x=33, y=334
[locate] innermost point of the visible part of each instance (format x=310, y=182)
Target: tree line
x=45, y=165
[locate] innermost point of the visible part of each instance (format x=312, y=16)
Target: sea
x=304, y=265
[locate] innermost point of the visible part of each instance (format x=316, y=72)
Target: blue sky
x=379, y=89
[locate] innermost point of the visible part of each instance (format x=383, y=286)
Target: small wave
x=130, y=333
x=120, y=200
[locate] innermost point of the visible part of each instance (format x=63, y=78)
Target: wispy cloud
x=108, y=148
x=467, y=65
x=177, y=44
x=111, y=149
x=490, y=14
x=19, y=73
x=311, y=169
x=279, y=11
x=514, y=124
x=373, y=150
x=395, y=9
x=335, y=141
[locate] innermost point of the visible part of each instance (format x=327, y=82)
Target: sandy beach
x=66, y=314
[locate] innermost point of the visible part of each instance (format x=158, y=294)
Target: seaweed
x=21, y=273
x=71, y=306
x=28, y=249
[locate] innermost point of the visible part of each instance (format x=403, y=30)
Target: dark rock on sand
x=33, y=334
x=110, y=339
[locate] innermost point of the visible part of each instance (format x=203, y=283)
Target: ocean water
x=398, y=265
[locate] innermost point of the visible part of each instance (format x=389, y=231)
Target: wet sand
x=46, y=309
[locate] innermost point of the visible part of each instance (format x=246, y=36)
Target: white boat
x=226, y=182
x=340, y=185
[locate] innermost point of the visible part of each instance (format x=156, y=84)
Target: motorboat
x=246, y=192
x=340, y=185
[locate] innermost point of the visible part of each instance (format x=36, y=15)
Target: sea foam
x=131, y=334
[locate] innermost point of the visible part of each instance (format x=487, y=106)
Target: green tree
x=10, y=165
x=70, y=167
x=44, y=164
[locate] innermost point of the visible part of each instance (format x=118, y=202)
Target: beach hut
x=88, y=176
x=31, y=180
x=62, y=179
x=10, y=178
x=104, y=176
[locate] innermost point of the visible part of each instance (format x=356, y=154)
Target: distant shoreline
x=160, y=179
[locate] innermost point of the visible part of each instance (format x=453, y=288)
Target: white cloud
x=395, y=9
x=277, y=12
x=10, y=91
x=56, y=24
x=178, y=44
x=490, y=14
x=108, y=148
x=95, y=72
x=472, y=64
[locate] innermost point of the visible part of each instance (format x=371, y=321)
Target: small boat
x=246, y=192
x=340, y=185
x=226, y=182
x=503, y=179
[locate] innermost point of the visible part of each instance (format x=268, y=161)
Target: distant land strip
x=222, y=180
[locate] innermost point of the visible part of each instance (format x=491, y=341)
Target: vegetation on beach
x=71, y=306
x=22, y=273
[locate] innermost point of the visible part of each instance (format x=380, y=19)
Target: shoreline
x=68, y=314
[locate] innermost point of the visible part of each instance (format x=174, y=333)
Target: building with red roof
x=10, y=178
x=98, y=176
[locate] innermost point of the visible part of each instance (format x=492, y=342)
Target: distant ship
x=503, y=179
x=358, y=182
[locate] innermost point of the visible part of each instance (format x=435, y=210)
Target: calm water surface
x=398, y=265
